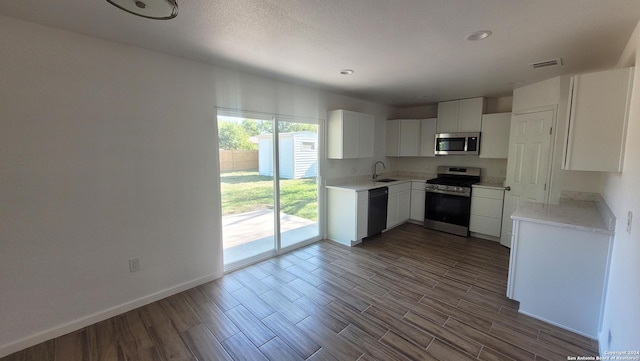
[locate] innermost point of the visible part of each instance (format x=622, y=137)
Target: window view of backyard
x=247, y=184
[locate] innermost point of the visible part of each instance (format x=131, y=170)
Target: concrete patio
x=249, y=234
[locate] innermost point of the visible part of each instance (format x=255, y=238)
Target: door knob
x=507, y=188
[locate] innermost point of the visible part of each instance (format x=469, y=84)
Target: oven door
x=447, y=212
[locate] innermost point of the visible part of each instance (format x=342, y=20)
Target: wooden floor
x=410, y=293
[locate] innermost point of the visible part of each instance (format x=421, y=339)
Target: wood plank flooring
x=409, y=294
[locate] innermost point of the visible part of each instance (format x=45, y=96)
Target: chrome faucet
x=375, y=172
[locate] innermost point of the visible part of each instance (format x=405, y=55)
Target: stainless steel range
x=448, y=199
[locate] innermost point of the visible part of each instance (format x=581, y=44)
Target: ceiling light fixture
x=150, y=9
x=479, y=35
x=347, y=71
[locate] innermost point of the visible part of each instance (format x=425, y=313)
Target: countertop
x=590, y=216
x=370, y=184
x=497, y=186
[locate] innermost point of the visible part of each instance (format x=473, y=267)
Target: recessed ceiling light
x=479, y=35
x=150, y=9
x=516, y=83
x=346, y=71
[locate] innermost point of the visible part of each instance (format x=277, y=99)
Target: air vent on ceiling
x=547, y=63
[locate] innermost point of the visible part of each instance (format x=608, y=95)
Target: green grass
x=247, y=191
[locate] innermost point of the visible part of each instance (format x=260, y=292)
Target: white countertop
x=590, y=216
x=370, y=184
x=497, y=186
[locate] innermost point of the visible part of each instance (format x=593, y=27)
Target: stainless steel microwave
x=457, y=143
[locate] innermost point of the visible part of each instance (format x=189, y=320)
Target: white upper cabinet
x=410, y=137
x=428, y=137
x=597, y=118
x=463, y=115
x=350, y=134
x=494, y=140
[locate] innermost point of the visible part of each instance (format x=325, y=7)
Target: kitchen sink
x=386, y=180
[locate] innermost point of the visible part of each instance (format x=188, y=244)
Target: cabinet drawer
x=488, y=193
x=400, y=187
x=486, y=207
x=485, y=225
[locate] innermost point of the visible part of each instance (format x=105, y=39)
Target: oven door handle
x=448, y=193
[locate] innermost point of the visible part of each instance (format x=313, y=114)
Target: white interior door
x=528, y=165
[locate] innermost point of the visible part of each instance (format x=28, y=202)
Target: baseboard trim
x=602, y=338
x=593, y=337
x=80, y=323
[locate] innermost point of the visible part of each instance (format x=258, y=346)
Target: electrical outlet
x=629, y=219
x=134, y=264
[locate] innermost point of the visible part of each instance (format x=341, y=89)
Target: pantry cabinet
x=410, y=137
x=350, y=134
x=494, y=138
x=597, y=118
x=463, y=115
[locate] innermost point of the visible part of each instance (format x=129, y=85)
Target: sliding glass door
x=269, y=184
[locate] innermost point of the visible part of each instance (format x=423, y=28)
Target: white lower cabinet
x=398, y=208
x=347, y=215
x=486, y=212
x=558, y=274
x=417, y=202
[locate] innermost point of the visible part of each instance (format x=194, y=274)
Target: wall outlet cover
x=134, y=264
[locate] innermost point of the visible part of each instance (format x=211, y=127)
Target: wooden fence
x=234, y=160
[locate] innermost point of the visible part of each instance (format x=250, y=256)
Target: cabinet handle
x=507, y=188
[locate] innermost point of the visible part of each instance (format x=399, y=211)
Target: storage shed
x=298, y=155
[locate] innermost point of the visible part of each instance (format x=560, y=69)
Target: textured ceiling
x=404, y=52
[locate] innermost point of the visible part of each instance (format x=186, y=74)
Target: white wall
x=109, y=152
x=621, y=316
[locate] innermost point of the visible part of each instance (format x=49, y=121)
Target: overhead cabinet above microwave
x=463, y=115
x=597, y=118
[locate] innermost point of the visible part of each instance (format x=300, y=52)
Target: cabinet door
x=365, y=135
x=487, y=207
x=362, y=214
x=448, y=117
x=428, y=137
x=597, y=120
x=485, y=225
x=350, y=134
x=392, y=137
x=404, y=206
x=470, y=114
x=494, y=140
x=409, y=139
x=392, y=209
x=417, y=204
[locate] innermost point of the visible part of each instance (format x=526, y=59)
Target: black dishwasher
x=377, y=220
